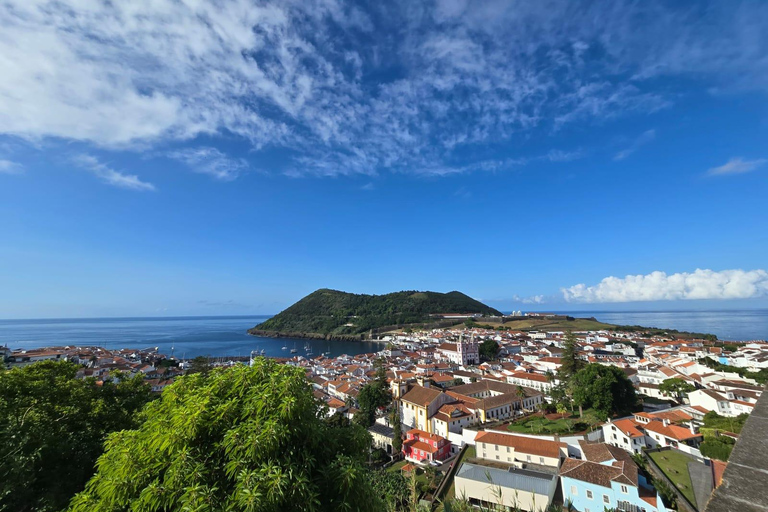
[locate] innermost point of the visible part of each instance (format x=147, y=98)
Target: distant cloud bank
x=700, y=284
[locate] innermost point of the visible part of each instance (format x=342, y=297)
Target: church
x=463, y=353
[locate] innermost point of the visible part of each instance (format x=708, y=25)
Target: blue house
x=607, y=477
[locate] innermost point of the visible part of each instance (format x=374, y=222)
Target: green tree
x=372, y=396
x=570, y=362
x=489, y=350
x=676, y=387
x=394, y=488
x=243, y=438
x=200, y=364
x=53, y=426
x=397, y=428
x=606, y=389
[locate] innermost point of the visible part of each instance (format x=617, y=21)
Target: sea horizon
x=226, y=335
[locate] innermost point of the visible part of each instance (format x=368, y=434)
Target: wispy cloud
x=700, y=284
x=344, y=90
x=737, y=165
x=211, y=161
x=642, y=140
x=110, y=176
x=9, y=167
x=533, y=299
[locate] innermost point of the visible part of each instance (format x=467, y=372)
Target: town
x=496, y=417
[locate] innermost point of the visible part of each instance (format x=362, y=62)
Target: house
x=421, y=446
x=518, y=489
x=535, y=381
x=626, y=433
x=664, y=433
x=419, y=404
x=519, y=450
x=382, y=435
x=606, y=478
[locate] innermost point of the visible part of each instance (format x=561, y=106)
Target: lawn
x=397, y=466
x=538, y=424
x=674, y=464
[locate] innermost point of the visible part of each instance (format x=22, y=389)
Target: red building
x=421, y=446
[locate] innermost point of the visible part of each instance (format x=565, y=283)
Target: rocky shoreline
x=309, y=335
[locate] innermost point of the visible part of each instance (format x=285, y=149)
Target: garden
x=554, y=424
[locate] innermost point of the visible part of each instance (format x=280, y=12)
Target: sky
x=191, y=157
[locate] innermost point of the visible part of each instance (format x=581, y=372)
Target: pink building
x=421, y=446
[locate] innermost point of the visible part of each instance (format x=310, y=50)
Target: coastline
x=311, y=336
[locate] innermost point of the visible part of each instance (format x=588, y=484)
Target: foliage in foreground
x=246, y=439
x=53, y=426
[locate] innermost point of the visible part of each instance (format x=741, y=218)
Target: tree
x=200, y=364
x=243, y=438
x=394, y=488
x=53, y=426
x=372, y=396
x=606, y=389
x=676, y=387
x=489, y=350
x=570, y=362
x=397, y=431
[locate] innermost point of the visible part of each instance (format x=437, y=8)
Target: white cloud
x=211, y=161
x=9, y=167
x=642, y=140
x=700, y=284
x=737, y=166
x=110, y=176
x=534, y=299
x=345, y=92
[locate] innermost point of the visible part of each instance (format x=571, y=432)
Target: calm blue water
x=189, y=336
x=737, y=325
x=226, y=336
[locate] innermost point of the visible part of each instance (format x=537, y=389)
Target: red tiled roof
x=541, y=447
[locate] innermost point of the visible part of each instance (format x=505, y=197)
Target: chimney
x=693, y=429
x=665, y=422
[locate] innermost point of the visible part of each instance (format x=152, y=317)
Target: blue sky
x=173, y=158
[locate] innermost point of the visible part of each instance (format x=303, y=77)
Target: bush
x=716, y=449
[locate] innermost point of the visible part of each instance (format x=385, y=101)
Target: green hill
x=331, y=313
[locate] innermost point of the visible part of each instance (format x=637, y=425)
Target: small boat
x=263, y=352
x=285, y=348
x=293, y=350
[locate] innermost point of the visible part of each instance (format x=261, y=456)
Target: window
x=541, y=460
x=606, y=499
x=574, y=491
x=497, y=457
x=589, y=494
x=497, y=447
x=507, y=449
x=528, y=458
x=624, y=489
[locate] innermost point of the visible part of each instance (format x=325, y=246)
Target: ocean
x=180, y=336
x=735, y=325
x=227, y=336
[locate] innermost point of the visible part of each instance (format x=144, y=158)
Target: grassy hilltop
x=339, y=314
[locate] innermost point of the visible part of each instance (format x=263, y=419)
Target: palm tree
x=520, y=393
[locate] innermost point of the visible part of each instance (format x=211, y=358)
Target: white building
x=463, y=353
